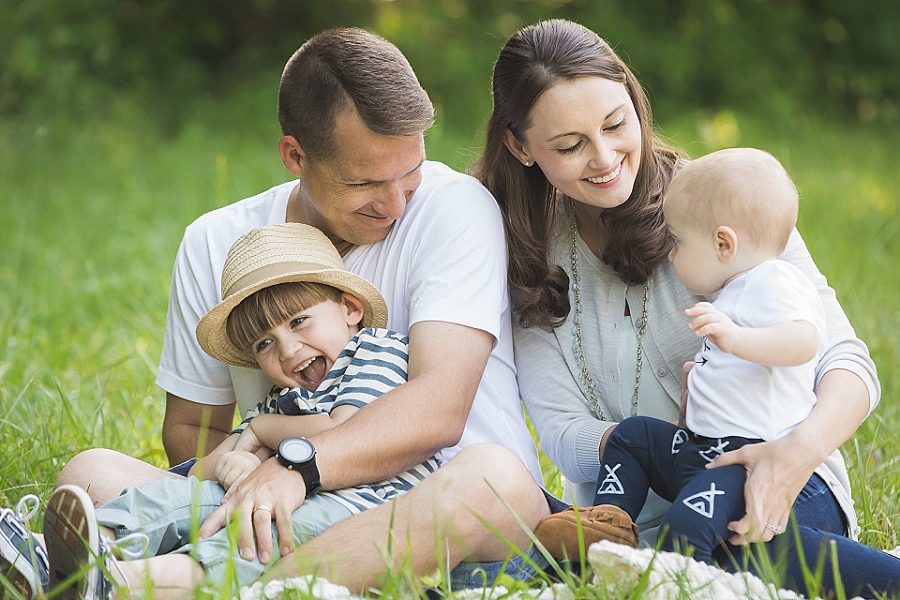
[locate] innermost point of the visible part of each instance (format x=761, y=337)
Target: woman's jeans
x=643, y=452
x=818, y=523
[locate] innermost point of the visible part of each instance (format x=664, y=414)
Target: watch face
x=296, y=450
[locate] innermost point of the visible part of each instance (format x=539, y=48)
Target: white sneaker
x=80, y=558
x=23, y=561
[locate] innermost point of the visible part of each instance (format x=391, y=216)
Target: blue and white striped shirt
x=374, y=362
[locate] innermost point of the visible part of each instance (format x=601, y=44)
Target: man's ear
x=292, y=155
x=516, y=148
x=726, y=242
x=353, y=309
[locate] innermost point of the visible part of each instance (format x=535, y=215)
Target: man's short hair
x=344, y=68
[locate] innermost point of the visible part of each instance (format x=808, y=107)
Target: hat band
x=274, y=270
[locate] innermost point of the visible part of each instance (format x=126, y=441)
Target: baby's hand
x=715, y=325
x=234, y=467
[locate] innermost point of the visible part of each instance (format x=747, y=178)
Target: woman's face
x=586, y=138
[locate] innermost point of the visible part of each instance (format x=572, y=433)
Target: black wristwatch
x=298, y=454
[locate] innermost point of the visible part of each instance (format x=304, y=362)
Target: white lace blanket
x=670, y=576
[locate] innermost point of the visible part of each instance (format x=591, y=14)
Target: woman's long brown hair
x=533, y=60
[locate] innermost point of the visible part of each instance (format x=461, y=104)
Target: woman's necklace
x=578, y=343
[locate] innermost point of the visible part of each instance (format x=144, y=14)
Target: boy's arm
x=781, y=345
x=208, y=467
x=205, y=467
x=271, y=429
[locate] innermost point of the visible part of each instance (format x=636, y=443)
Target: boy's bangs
x=270, y=306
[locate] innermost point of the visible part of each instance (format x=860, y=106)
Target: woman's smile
x=586, y=138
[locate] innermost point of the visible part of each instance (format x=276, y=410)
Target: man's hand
x=715, y=325
x=233, y=467
x=269, y=492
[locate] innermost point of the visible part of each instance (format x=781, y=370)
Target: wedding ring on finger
x=776, y=529
x=259, y=508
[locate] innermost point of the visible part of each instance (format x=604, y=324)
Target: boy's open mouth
x=312, y=371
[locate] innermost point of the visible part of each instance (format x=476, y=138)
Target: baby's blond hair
x=743, y=188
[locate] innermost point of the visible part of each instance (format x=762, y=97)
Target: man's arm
x=415, y=420
x=192, y=429
x=405, y=426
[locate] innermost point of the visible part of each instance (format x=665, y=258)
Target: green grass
x=92, y=209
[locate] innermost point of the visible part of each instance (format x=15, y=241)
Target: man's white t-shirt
x=444, y=260
x=729, y=396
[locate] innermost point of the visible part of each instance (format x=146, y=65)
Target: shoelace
x=23, y=513
x=139, y=543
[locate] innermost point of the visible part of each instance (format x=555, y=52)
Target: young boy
x=291, y=309
x=730, y=214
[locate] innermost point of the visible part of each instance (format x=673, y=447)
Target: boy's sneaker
x=81, y=558
x=23, y=561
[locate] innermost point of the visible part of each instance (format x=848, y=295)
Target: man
x=353, y=117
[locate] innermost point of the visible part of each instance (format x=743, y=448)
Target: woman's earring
x=527, y=163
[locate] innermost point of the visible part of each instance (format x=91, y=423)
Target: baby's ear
x=726, y=242
x=353, y=309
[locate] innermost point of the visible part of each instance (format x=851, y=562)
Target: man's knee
x=495, y=479
x=84, y=467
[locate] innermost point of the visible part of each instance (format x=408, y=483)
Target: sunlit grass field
x=92, y=209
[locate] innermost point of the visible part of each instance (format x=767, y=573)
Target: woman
x=600, y=333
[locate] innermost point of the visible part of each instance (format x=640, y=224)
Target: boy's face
x=301, y=351
x=695, y=255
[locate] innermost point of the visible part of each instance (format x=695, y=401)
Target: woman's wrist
x=816, y=450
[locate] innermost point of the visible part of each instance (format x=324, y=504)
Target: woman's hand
x=776, y=474
x=603, y=441
x=778, y=470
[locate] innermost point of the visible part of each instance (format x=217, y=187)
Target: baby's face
x=300, y=351
x=694, y=255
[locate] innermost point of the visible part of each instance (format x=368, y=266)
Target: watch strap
x=309, y=471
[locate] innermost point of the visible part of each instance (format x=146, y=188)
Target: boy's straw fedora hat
x=275, y=254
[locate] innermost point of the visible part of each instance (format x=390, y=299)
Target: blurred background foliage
x=837, y=58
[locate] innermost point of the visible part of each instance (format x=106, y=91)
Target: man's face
x=356, y=196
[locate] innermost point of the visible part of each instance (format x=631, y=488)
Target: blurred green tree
x=837, y=56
